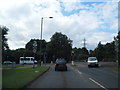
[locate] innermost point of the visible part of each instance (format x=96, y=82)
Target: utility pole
x=84, y=42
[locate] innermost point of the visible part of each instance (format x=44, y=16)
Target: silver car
x=7, y=62
x=92, y=61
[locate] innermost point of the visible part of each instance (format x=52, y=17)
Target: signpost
x=34, y=51
x=45, y=56
x=72, y=53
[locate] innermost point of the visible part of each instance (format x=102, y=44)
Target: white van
x=92, y=61
x=27, y=60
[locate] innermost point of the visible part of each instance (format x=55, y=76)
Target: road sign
x=34, y=47
x=34, y=50
x=72, y=53
x=35, y=44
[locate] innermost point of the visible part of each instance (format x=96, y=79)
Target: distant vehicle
x=27, y=60
x=92, y=61
x=7, y=62
x=60, y=65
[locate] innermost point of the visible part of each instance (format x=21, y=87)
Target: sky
x=78, y=19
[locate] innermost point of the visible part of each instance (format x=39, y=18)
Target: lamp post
x=41, y=36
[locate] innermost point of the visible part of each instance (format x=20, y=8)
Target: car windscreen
x=92, y=59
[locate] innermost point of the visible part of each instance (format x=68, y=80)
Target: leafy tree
x=99, y=51
x=85, y=51
x=81, y=54
x=118, y=37
x=76, y=53
x=4, y=30
x=91, y=53
x=109, y=52
x=29, y=48
x=59, y=47
x=29, y=45
x=5, y=47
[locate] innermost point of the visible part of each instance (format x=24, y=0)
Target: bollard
x=73, y=63
x=51, y=62
x=13, y=65
x=41, y=62
x=33, y=64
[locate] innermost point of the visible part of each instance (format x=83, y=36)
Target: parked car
x=7, y=62
x=60, y=65
x=92, y=61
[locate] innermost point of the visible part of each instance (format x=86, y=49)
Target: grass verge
x=17, y=78
x=115, y=68
x=10, y=66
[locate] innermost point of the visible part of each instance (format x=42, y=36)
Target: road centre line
x=76, y=70
x=90, y=79
x=79, y=72
x=97, y=83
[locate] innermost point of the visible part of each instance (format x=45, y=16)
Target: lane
x=63, y=79
x=102, y=75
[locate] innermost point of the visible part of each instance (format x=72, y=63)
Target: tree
x=76, y=53
x=118, y=37
x=109, y=52
x=99, y=51
x=29, y=48
x=91, y=53
x=59, y=46
x=81, y=54
x=5, y=47
x=4, y=30
x=29, y=45
x=14, y=55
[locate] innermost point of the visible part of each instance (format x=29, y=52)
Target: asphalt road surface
x=79, y=76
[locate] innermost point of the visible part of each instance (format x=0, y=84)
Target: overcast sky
x=78, y=19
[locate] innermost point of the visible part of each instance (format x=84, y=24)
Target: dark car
x=60, y=65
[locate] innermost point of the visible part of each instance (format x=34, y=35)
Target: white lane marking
x=76, y=70
x=98, y=83
x=79, y=72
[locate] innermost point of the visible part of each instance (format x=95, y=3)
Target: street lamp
x=41, y=36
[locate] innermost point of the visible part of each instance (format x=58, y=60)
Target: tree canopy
x=4, y=30
x=5, y=47
x=59, y=46
x=118, y=37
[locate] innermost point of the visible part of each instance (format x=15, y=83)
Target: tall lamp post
x=41, y=36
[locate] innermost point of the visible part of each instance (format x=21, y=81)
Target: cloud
x=93, y=21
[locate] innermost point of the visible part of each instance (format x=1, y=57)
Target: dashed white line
x=97, y=83
x=76, y=70
x=91, y=79
x=79, y=72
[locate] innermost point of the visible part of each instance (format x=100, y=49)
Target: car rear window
x=60, y=61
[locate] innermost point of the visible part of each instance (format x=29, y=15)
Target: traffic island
x=20, y=78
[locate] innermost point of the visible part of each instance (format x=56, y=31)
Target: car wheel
x=88, y=65
x=65, y=69
x=97, y=65
x=55, y=69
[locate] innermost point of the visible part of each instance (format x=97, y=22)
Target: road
x=79, y=76
x=102, y=75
